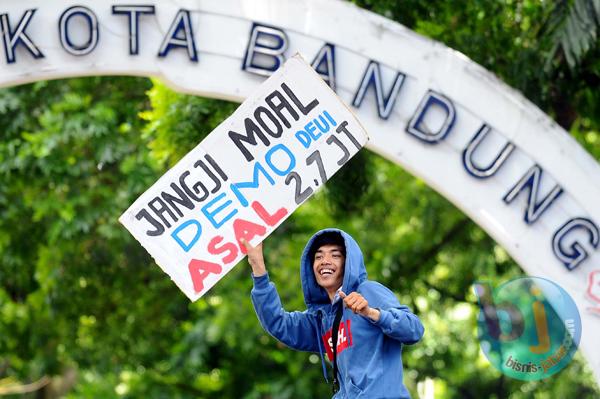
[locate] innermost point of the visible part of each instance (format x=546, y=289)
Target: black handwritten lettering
x=159, y=228
x=305, y=109
x=161, y=209
x=181, y=199
x=346, y=154
x=252, y=131
x=193, y=192
x=258, y=115
x=300, y=195
x=278, y=108
x=342, y=128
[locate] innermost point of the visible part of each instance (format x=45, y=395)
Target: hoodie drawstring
x=319, y=315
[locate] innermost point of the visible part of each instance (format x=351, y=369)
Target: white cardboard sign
x=245, y=178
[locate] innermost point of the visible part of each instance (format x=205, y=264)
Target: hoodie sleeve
x=396, y=320
x=298, y=330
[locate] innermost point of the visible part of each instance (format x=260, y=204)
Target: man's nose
x=326, y=259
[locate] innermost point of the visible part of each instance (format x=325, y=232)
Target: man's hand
x=255, y=258
x=359, y=305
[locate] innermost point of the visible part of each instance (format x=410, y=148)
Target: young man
x=372, y=328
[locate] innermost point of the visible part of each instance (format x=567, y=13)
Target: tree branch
x=450, y=235
x=15, y=389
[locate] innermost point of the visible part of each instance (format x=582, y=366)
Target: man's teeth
x=326, y=271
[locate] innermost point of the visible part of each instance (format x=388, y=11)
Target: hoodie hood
x=354, y=271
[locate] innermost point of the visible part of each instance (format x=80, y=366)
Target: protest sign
x=245, y=178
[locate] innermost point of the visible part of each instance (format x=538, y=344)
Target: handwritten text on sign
x=248, y=175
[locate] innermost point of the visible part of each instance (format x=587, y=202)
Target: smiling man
x=370, y=324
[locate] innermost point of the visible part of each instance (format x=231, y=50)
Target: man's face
x=328, y=266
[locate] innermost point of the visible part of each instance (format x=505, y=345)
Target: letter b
x=509, y=362
x=265, y=50
x=490, y=311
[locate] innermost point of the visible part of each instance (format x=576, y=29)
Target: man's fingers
x=362, y=305
x=358, y=305
x=249, y=246
x=350, y=296
x=350, y=300
x=355, y=302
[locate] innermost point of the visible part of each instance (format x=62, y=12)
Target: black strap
x=334, y=338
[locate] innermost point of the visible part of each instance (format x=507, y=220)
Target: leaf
x=574, y=30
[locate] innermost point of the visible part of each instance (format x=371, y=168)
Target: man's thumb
x=342, y=294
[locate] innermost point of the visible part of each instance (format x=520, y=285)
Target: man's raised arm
x=298, y=330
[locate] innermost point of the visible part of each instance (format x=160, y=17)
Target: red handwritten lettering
x=213, y=249
x=271, y=220
x=247, y=230
x=200, y=270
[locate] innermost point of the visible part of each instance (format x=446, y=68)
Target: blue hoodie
x=369, y=353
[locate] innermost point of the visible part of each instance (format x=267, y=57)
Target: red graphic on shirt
x=344, y=339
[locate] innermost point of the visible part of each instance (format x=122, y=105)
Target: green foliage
x=347, y=190
x=574, y=28
x=78, y=293
x=177, y=123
